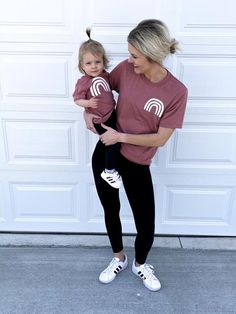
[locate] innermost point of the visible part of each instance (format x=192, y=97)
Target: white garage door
x=46, y=183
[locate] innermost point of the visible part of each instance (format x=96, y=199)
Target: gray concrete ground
x=63, y=280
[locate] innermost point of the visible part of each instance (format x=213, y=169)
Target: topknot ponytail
x=88, y=32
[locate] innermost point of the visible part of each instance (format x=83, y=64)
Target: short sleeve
x=80, y=89
x=173, y=116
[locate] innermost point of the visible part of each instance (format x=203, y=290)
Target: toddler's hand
x=92, y=103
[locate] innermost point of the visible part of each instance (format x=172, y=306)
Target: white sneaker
x=113, y=269
x=146, y=273
x=113, y=179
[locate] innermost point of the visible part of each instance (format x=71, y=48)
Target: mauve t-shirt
x=144, y=106
x=87, y=87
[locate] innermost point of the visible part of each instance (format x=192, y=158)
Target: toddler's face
x=92, y=65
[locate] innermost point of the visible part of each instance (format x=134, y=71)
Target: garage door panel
x=190, y=204
x=38, y=201
x=203, y=146
x=3, y=204
x=198, y=207
x=42, y=139
x=42, y=201
x=199, y=20
x=213, y=69
x=40, y=21
x=36, y=77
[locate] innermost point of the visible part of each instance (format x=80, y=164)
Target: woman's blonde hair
x=95, y=48
x=151, y=37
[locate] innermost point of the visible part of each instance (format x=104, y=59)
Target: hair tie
x=172, y=49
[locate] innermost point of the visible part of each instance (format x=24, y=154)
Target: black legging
x=138, y=185
x=112, y=151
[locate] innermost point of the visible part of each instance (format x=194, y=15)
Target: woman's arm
x=151, y=140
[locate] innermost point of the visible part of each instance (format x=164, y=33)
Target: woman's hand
x=158, y=139
x=110, y=137
x=88, y=117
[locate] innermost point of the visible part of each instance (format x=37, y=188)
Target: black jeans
x=138, y=186
x=112, y=151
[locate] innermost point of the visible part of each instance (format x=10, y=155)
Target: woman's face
x=139, y=61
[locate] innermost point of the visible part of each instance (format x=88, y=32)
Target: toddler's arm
x=87, y=103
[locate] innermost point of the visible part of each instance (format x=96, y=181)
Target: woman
x=151, y=104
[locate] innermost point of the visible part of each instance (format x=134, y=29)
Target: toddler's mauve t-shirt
x=88, y=87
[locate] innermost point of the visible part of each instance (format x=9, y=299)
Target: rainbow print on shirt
x=155, y=104
x=97, y=84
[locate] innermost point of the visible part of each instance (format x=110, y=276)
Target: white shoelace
x=113, y=266
x=148, y=272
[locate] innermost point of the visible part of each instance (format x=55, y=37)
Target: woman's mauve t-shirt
x=144, y=106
